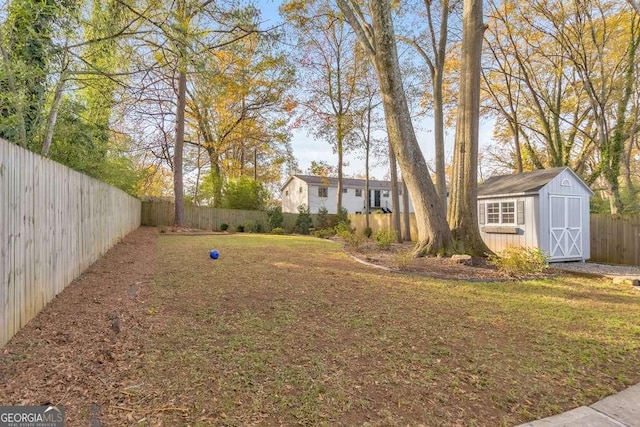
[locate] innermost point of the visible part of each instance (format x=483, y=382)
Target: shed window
x=501, y=213
x=323, y=192
x=358, y=192
x=493, y=213
x=508, y=210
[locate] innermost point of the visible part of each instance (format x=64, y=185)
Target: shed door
x=566, y=227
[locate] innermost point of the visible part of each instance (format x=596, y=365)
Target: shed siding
x=499, y=241
x=575, y=188
x=295, y=197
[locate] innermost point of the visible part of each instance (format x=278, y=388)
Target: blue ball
x=214, y=254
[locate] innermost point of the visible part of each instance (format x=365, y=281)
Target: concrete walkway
x=621, y=409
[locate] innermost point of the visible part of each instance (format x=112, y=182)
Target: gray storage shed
x=547, y=208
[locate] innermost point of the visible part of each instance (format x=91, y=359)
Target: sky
x=307, y=149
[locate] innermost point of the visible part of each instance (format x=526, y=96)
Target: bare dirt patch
x=83, y=348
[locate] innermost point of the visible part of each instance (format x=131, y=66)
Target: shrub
x=275, y=217
x=355, y=241
x=253, y=226
x=384, y=238
x=520, y=261
x=343, y=230
x=240, y=229
x=277, y=230
x=322, y=219
x=324, y=233
x=224, y=227
x=367, y=232
x=304, y=221
x=402, y=259
x=343, y=217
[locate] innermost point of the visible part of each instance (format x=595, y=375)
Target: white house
x=317, y=192
x=546, y=208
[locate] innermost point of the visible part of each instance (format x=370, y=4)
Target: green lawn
x=289, y=330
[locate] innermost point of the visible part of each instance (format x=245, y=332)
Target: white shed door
x=566, y=227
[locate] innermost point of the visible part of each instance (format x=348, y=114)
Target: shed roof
x=346, y=182
x=522, y=183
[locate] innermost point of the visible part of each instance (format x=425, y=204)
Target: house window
x=286, y=193
x=300, y=190
x=323, y=192
x=385, y=193
x=358, y=192
x=501, y=213
x=344, y=190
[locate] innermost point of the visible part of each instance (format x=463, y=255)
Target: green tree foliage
x=275, y=217
x=244, y=193
x=26, y=46
x=78, y=144
x=304, y=222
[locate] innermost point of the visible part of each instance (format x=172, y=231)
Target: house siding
x=309, y=197
x=296, y=197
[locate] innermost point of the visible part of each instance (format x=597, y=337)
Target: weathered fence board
x=615, y=239
x=380, y=221
x=157, y=214
x=54, y=223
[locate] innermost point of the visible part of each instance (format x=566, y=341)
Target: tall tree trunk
x=178, y=184
x=52, y=117
x=438, y=116
x=367, y=208
x=339, y=146
x=463, y=212
x=216, y=175
x=614, y=151
x=378, y=40
x=395, y=199
x=516, y=142
x=199, y=167
x=438, y=103
x=406, y=232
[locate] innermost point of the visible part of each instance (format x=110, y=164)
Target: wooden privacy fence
x=615, y=239
x=206, y=218
x=380, y=221
x=54, y=223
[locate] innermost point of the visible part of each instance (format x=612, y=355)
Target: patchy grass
x=288, y=330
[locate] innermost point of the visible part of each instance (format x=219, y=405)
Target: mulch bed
x=476, y=269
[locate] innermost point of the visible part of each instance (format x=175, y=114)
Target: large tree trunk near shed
x=463, y=211
x=378, y=41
